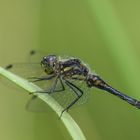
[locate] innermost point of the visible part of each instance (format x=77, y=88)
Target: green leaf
x=72, y=127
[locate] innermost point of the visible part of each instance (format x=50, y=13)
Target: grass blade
x=72, y=127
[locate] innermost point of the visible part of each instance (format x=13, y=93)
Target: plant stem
x=72, y=127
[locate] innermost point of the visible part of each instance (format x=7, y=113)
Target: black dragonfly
x=71, y=73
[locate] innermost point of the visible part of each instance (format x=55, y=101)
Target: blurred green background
x=103, y=33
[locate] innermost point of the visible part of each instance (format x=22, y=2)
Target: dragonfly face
x=48, y=63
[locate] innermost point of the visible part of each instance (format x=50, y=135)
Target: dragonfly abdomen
x=96, y=81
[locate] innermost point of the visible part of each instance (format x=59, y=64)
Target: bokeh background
x=103, y=33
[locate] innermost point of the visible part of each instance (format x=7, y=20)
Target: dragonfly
x=67, y=72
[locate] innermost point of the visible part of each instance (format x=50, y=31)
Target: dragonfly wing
x=64, y=98
x=35, y=104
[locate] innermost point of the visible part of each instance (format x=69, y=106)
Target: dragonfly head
x=48, y=63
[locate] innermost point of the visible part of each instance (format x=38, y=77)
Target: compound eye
x=52, y=58
x=44, y=61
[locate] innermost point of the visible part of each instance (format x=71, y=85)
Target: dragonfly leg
x=53, y=88
x=74, y=88
x=35, y=96
x=76, y=78
x=37, y=79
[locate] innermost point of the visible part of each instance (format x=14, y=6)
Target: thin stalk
x=72, y=127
